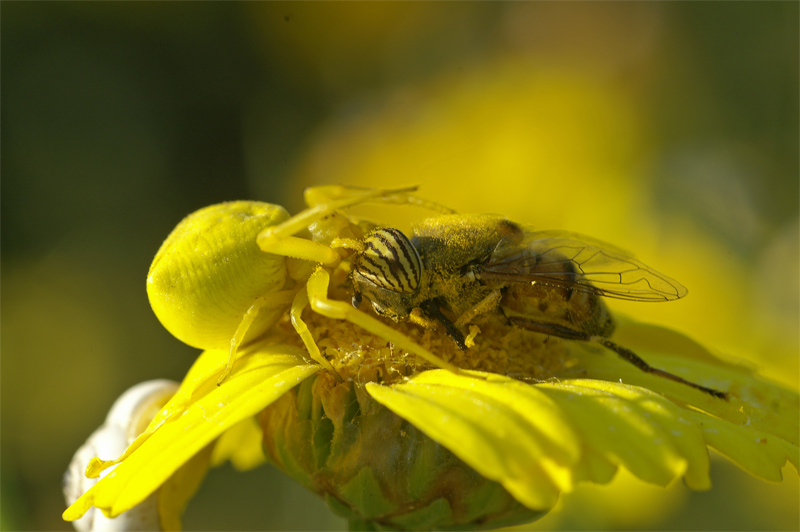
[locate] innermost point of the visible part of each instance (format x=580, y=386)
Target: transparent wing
x=581, y=263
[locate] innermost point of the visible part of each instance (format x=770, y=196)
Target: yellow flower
x=390, y=441
x=535, y=439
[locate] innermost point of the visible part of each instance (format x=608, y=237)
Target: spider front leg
x=324, y=201
x=320, y=195
x=317, y=287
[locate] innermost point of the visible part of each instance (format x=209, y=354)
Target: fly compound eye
x=389, y=261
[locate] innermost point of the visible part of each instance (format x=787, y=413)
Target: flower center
x=498, y=347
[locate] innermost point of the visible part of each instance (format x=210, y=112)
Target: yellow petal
x=759, y=453
x=242, y=445
x=506, y=430
x=549, y=423
x=199, y=381
x=595, y=467
x=175, y=493
x=199, y=413
x=753, y=401
x=635, y=428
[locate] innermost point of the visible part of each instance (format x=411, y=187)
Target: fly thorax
x=388, y=272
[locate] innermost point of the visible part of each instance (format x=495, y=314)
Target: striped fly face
x=388, y=271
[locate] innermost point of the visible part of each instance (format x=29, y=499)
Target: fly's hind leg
x=623, y=352
x=629, y=356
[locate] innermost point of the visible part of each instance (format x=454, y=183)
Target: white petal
x=127, y=418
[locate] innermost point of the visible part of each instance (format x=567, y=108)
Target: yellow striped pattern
x=390, y=261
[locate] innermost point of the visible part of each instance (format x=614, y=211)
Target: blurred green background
x=668, y=128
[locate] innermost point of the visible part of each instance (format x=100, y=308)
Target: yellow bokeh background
x=668, y=129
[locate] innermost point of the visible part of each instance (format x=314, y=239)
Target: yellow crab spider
x=223, y=276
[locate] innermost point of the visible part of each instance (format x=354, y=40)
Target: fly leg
x=432, y=310
x=484, y=306
x=629, y=356
x=624, y=353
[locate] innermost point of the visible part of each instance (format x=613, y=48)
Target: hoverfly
x=544, y=281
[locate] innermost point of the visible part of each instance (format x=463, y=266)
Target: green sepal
x=376, y=469
x=364, y=493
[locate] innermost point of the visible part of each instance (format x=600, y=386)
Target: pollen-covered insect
x=544, y=281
